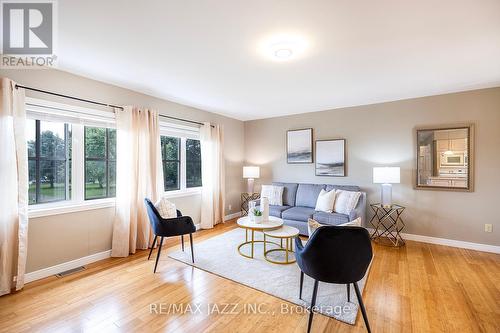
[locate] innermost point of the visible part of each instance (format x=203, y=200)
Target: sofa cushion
x=276, y=210
x=353, y=188
x=330, y=218
x=307, y=195
x=289, y=192
x=298, y=213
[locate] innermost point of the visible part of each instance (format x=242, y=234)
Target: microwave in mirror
x=443, y=158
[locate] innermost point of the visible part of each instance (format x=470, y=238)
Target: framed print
x=299, y=146
x=330, y=158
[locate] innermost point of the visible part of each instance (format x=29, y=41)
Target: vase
x=257, y=219
x=264, y=208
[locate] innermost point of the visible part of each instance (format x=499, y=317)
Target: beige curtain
x=139, y=175
x=13, y=188
x=212, y=171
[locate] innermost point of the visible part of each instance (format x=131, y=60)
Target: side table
x=387, y=222
x=245, y=198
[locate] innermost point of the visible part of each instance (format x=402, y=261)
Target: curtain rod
x=17, y=86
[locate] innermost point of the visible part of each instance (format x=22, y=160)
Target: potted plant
x=257, y=215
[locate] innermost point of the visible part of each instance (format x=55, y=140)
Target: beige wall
x=60, y=238
x=382, y=134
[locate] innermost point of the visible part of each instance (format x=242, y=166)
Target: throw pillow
x=165, y=208
x=312, y=225
x=273, y=193
x=346, y=201
x=325, y=201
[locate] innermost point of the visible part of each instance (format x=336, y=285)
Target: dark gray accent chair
x=299, y=202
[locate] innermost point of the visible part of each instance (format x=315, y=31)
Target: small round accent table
x=285, y=232
x=247, y=224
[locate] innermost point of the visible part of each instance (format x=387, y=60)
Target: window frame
x=38, y=159
x=39, y=109
x=182, y=132
x=106, y=159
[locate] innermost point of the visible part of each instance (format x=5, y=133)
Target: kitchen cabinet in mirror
x=445, y=157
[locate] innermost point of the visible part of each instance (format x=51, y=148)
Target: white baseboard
x=450, y=242
x=49, y=271
x=232, y=216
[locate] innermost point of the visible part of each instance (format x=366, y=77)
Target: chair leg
x=348, y=292
x=301, y=284
x=362, y=306
x=152, y=247
x=182, y=242
x=313, y=303
x=191, y=243
x=158, y=254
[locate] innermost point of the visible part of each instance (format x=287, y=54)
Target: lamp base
x=250, y=183
x=386, y=196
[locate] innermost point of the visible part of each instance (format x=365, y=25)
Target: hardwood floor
x=417, y=288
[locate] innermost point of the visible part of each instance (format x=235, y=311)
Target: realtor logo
x=28, y=33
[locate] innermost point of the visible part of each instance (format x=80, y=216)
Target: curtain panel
x=212, y=172
x=139, y=175
x=14, y=187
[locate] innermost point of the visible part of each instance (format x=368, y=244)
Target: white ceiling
x=205, y=53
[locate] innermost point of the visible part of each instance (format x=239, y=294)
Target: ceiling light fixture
x=283, y=47
x=283, y=53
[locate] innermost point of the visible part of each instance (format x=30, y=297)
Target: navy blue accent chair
x=338, y=255
x=177, y=226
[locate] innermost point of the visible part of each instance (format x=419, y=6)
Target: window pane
x=171, y=175
x=31, y=182
x=112, y=179
x=112, y=143
x=95, y=179
x=95, y=142
x=31, y=136
x=52, y=181
x=52, y=144
x=170, y=148
x=193, y=163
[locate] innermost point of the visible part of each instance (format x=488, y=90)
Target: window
x=170, y=155
x=49, y=161
x=193, y=163
x=100, y=162
x=181, y=157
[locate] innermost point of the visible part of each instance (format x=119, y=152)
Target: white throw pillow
x=165, y=208
x=353, y=223
x=346, y=201
x=325, y=201
x=273, y=193
x=313, y=225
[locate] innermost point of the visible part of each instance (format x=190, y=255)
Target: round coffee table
x=285, y=232
x=247, y=224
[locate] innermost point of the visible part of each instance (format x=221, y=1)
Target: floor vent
x=71, y=271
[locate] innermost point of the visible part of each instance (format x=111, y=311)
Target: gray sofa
x=299, y=201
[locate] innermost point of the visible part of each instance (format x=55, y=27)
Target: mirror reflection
x=443, y=158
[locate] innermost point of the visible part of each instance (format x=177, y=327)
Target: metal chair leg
x=301, y=284
x=313, y=303
x=158, y=254
x=152, y=247
x=182, y=242
x=191, y=243
x=362, y=306
x=348, y=292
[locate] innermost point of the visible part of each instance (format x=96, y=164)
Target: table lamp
x=251, y=172
x=386, y=176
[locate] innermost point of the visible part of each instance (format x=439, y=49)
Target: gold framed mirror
x=445, y=157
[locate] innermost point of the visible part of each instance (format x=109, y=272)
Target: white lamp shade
x=251, y=172
x=386, y=175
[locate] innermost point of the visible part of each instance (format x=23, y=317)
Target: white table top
x=272, y=223
x=284, y=232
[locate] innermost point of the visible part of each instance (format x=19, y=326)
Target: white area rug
x=219, y=255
